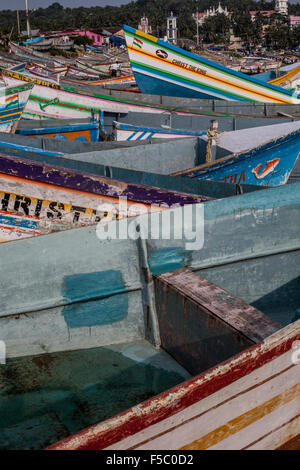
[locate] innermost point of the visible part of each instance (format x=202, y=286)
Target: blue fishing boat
x=267, y=165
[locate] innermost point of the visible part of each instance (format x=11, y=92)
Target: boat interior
x=98, y=326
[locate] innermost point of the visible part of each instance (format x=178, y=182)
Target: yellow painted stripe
x=287, y=77
x=221, y=80
x=145, y=35
x=11, y=114
x=244, y=420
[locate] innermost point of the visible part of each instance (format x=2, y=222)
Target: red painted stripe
x=18, y=214
x=196, y=389
x=17, y=229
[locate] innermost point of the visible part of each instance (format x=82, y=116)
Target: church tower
x=172, y=29
x=281, y=6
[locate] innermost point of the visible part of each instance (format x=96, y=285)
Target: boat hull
x=50, y=101
x=12, y=104
x=269, y=164
x=161, y=68
x=248, y=402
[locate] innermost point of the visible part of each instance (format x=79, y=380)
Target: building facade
x=144, y=25
x=201, y=17
x=172, y=32
x=282, y=7
x=294, y=21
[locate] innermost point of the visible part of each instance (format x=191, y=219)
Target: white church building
x=212, y=11
x=281, y=6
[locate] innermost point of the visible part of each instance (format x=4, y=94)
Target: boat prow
x=162, y=68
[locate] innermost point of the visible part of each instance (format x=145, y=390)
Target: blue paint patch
x=60, y=136
x=81, y=138
x=17, y=222
x=167, y=259
x=98, y=298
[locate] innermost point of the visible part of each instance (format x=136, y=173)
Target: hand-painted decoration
x=172, y=71
x=13, y=100
x=267, y=165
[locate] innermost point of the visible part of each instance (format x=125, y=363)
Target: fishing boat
x=233, y=142
x=160, y=67
x=37, y=198
x=83, y=132
x=166, y=156
x=13, y=100
x=185, y=347
x=42, y=45
x=290, y=80
x=269, y=164
x=193, y=126
x=50, y=100
x=133, y=132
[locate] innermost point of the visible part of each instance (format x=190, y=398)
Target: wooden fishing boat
x=83, y=132
x=58, y=199
x=42, y=45
x=192, y=126
x=96, y=69
x=103, y=158
x=48, y=101
x=233, y=142
x=268, y=165
x=196, y=123
x=104, y=67
x=129, y=132
x=255, y=146
x=160, y=67
x=161, y=353
x=12, y=104
x=34, y=55
x=71, y=75
x=290, y=80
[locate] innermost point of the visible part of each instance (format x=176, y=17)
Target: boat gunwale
x=166, y=404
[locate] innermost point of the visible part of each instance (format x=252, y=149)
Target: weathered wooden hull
x=267, y=165
x=49, y=100
x=12, y=104
x=248, y=401
x=129, y=132
x=80, y=132
x=290, y=80
x=159, y=66
x=33, y=204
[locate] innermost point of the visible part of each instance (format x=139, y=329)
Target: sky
x=20, y=4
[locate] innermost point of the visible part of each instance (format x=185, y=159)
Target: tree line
x=216, y=29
